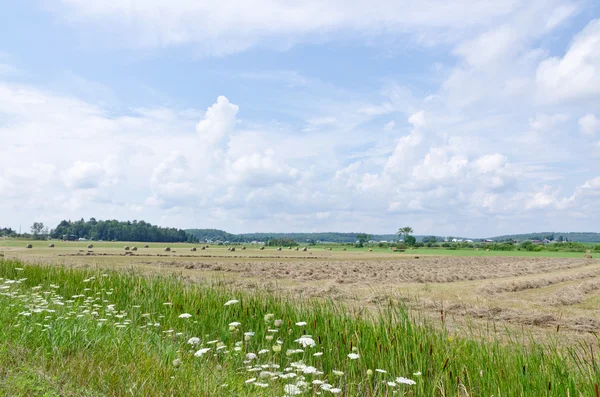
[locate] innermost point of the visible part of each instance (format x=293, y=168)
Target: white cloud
x=589, y=125
x=389, y=126
x=221, y=28
x=575, y=76
x=219, y=121
x=84, y=175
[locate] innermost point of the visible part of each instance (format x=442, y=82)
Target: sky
x=473, y=118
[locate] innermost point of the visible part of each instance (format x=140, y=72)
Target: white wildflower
x=301, y=323
x=193, y=341
x=231, y=302
x=405, y=381
x=185, y=315
x=353, y=356
x=306, y=340
x=202, y=351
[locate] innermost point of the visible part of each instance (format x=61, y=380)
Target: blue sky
x=471, y=118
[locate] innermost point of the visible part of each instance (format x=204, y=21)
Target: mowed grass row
x=94, y=333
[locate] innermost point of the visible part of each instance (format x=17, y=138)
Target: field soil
x=542, y=295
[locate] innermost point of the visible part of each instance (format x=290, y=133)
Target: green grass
x=42, y=244
x=86, y=333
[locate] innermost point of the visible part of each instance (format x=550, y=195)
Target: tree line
x=120, y=231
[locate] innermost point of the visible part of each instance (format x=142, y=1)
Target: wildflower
x=335, y=390
x=235, y=324
x=276, y=348
x=185, y=315
x=309, y=370
x=306, y=340
x=405, y=381
x=177, y=363
x=263, y=351
x=318, y=354
x=369, y=372
x=392, y=384
x=338, y=373
x=278, y=323
x=201, y=352
x=292, y=390
x=261, y=384
x=269, y=317
x=251, y=380
x=269, y=337
x=301, y=323
x=193, y=341
x=381, y=371
x=417, y=373
x=353, y=356
x=231, y=302
x=250, y=356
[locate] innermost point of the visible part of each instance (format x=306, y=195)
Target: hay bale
x=167, y=249
x=278, y=248
x=146, y=246
x=90, y=246
x=203, y=248
x=243, y=248
x=289, y=248
x=126, y=248
x=487, y=250
x=232, y=249
x=344, y=249
x=370, y=249
x=296, y=248
x=262, y=248
x=51, y=245
x=304, y=249
x=134, y=248
x=29, y=246
x=193, y=249
x=588, y=256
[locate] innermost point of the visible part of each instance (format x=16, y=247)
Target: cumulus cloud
x=219, y=121
x=84, y=175
x=575, y=76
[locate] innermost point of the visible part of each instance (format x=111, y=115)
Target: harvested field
x=539, y=292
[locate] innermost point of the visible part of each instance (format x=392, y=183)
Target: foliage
x=281, y=242
x=39, y=231
x=410, y=240
x=120, y=231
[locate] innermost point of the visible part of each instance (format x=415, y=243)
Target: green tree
x=362, y=238
x=409, y=240
x=404, y=231
x=39, y=231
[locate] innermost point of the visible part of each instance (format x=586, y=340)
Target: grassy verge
x=86, y=333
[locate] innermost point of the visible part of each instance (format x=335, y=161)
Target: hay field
x=542, y=293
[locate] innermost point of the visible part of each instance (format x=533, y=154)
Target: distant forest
x=332, y=237
x=329, y=237
x=120, y=231
x=588, y=237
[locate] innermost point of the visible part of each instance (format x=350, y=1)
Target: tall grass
x=82, y=332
